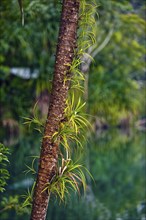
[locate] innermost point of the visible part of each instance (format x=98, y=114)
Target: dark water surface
x=116, y=160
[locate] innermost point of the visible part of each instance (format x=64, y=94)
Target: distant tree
x=115, y=81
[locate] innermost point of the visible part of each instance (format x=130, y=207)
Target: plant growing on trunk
x=64, y=121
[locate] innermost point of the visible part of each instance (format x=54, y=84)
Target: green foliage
x=77, y=75
x=13, y=203
x=72, y=127
x=125, y=184
x=87, y=22
x=114, y=158
x=73, y=112
x=31, y=168
x=115, y=81
x=116, y=77
x=3, y=166
x=86, y=38
x=117, y=162
x=35, y=120
x=70, y=175
x=116, y=90
x=31, y=46
x=28, y=198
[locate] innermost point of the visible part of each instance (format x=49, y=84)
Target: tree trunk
x=49, y=151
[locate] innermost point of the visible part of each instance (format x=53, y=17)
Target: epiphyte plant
x=69, y=124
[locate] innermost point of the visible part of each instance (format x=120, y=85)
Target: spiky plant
x=69, y=176
x=28, y=197
x=34, y=120
x=70, y=120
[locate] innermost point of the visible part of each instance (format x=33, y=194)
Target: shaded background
x=115, y=95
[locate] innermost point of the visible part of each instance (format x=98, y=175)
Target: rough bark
x=49, y=151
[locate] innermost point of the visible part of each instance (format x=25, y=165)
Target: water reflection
x=116, y=159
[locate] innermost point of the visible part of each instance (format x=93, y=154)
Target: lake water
x=115, y=158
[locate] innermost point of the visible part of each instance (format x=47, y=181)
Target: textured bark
x=49, y=151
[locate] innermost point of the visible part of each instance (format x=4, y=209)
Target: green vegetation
x=110, y=74
x=115, y=78
x=4, y=151
x=69, y=176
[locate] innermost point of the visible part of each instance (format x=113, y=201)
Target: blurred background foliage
x=114, y=92
x=116, y=78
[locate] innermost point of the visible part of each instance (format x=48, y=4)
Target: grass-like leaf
x=70, y=176
x=28, y=197
x=31, y=169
